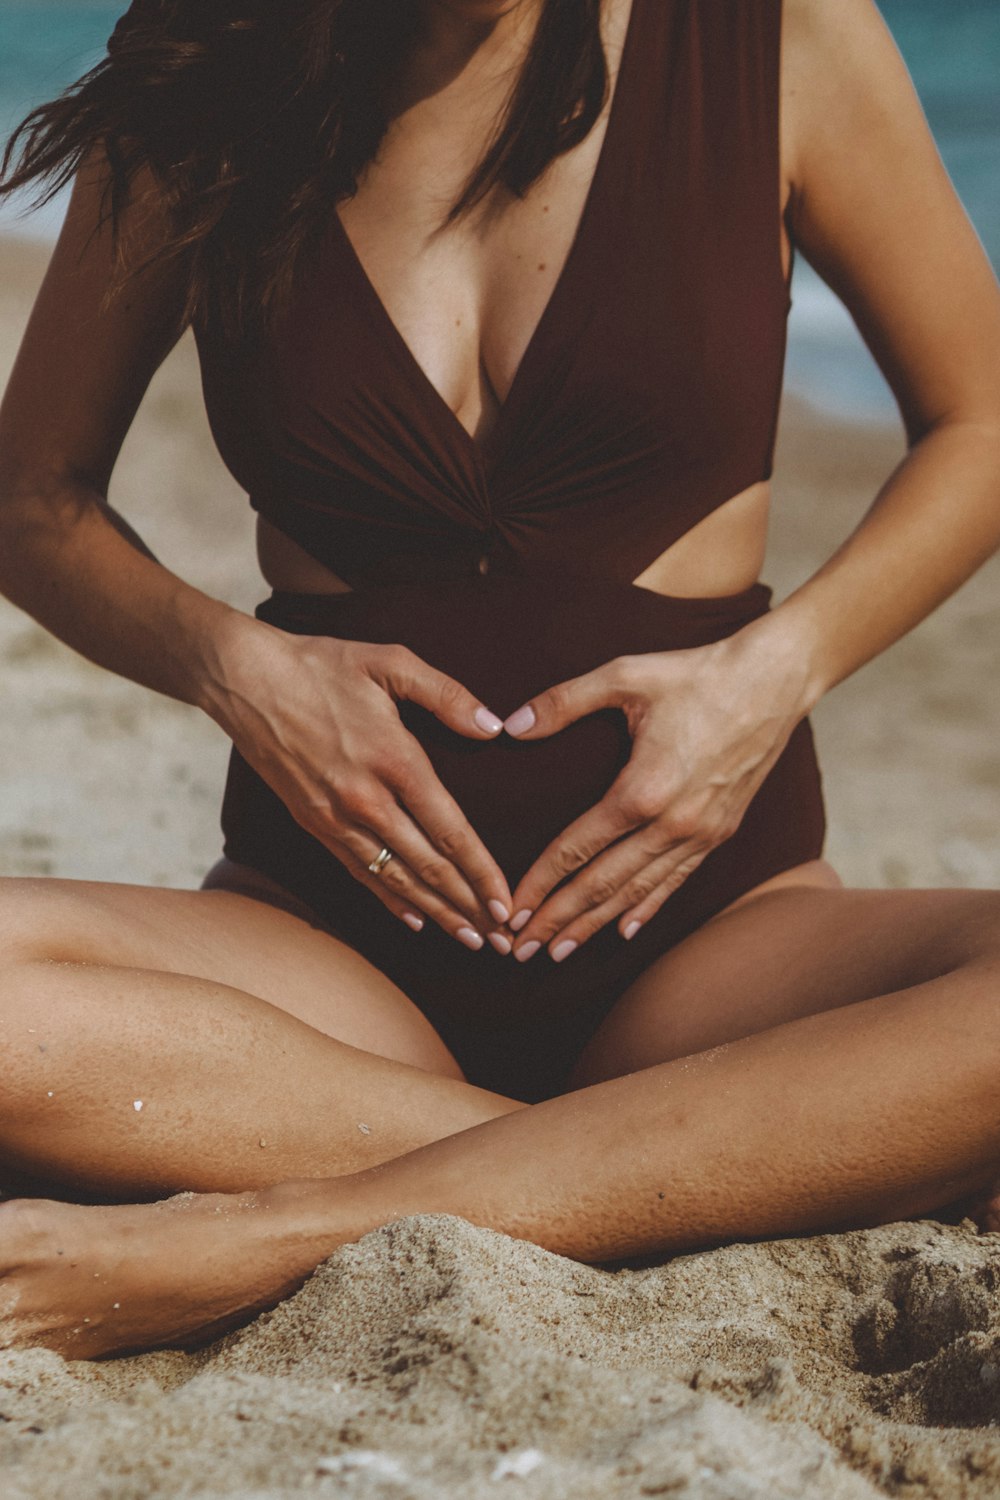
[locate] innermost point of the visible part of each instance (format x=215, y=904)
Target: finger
x=598, y=883
x=398, y=888
x=581, y=841
x=451, y=834
x=633, y=917
x=649, y=886
x=406, y=675
x=639, y=915
x=371, y=806
x=353, y=858
x=567, y=701
x=410, y=844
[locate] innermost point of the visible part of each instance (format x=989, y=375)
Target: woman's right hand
x=316, y=718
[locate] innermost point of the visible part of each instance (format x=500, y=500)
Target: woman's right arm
x=316, y=718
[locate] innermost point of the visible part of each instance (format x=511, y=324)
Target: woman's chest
x=466, y=297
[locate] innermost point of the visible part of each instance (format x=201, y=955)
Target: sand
x=437, y=1359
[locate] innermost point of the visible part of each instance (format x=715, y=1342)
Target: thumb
x=562, y=704
x=444, y=697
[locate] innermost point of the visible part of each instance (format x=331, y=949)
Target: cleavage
x=467, y=301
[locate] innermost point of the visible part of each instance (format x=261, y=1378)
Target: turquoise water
x=952, y=49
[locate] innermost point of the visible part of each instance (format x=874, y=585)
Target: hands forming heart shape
x=706, y=724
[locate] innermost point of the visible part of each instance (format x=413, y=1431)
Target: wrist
x=779, y=648
x=230, y=655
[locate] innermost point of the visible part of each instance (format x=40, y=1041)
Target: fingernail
x=488, y=721
x=521, y=720
x=412, y=920
x=498, y=911
x=523, y=916
x=526, y=950
x=500, y=943
x=470, y=937
x=631, y=929
x=564, y=949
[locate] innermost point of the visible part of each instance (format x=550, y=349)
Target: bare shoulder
x=843, y=77
x=874, y=210
x=83, y=366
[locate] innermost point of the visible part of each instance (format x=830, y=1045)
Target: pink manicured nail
x=631, y=929
x=498, y=911
x=564, y=949
x=488, y=721
x=470, y=937
x=523, y=916
x=521, y=720
x=526, y=950
x=500, y=943
x=412, y=920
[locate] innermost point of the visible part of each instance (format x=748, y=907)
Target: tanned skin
x=814, y=1057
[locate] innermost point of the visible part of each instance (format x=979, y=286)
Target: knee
x=36, y=918
x=977, y=928
x=31, y=1030
x=29, y=929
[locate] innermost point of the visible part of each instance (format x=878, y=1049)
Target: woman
x=507, y=417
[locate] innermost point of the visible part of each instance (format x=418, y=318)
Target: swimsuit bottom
x=518, y=1028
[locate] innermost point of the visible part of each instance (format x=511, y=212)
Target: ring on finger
x=380, y=861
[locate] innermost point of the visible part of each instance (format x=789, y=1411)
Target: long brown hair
x=255, y=116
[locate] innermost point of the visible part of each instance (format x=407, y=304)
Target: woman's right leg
x=158, y=1040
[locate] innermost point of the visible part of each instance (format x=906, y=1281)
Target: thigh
x=228, y=938
x=785, y=953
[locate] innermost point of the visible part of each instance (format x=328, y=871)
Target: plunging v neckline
x=482, y=450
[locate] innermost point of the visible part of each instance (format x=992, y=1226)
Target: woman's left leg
x=882, y=1105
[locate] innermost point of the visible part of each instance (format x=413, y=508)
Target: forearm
x=933, y=523
x=79, y=570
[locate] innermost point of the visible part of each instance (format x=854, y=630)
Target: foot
x=95, y=1281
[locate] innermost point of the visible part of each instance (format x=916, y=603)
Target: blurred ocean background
x=951, y=47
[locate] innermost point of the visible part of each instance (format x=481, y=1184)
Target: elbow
x=36, y=507
x=981, y=424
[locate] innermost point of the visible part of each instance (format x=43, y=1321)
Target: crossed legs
x=813, y=1058
x=258, y=1048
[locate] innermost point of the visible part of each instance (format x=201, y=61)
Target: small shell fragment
x=137, y=1105
x=382, y=1465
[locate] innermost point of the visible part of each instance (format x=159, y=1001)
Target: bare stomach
x=723, y=554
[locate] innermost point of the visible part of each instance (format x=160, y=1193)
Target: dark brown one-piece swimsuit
x=648, y=396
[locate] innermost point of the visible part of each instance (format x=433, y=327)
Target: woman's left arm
x=873, y=210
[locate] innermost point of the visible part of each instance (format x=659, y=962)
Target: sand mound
x=435, y=1359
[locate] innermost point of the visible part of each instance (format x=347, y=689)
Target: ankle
x=313, y=1216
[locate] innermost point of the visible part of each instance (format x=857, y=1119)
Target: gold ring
x=380, y=861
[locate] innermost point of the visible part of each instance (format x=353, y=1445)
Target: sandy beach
x=435, y=1359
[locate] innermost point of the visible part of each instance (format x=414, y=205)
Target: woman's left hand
x=707, y=724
